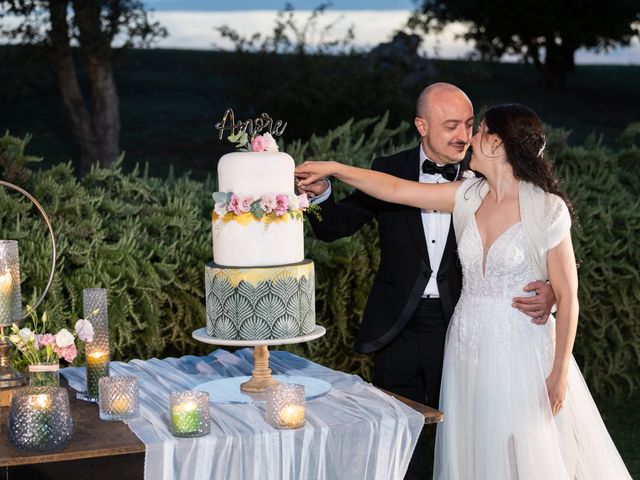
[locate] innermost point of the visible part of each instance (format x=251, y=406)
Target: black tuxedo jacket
x=404, y=260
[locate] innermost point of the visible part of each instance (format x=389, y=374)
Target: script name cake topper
x=251, y=127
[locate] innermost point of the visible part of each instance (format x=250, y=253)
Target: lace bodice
x=507, y=266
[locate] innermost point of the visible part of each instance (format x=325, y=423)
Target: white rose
x=27, y=335
x=64, y=338
x=270, y=143
x=293, y=202
x=468, y=174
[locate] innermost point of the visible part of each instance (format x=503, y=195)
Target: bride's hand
x=312, y=171
x=557, y=390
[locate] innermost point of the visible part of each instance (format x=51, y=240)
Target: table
x=106, y=448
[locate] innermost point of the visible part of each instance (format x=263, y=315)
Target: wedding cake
x=259, y=286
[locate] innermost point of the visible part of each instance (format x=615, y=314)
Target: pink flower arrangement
x=264, y=143
x=38, y=346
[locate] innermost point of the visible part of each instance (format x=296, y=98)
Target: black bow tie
x=448, y=171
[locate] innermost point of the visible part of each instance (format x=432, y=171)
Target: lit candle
x=41, y=407
x=97, y=367
x=6, y=296
x=121, y=405
x=186, y=417
x=292, y=416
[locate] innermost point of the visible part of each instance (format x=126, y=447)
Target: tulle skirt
x=498, y=423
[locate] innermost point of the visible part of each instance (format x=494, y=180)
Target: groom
x=419, y=279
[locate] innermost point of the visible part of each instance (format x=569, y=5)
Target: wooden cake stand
x=261, y=378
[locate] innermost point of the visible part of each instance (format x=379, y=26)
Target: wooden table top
x=93, y=437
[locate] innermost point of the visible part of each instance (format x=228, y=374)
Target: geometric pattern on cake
x=260, y=303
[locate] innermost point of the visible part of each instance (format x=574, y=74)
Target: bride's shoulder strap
x=468, y=199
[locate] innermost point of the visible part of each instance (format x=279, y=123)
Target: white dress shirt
x=435, y=224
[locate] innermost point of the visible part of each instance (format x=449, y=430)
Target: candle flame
x=41, y=402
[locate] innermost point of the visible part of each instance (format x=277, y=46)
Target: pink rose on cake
x=282, y=204
x=245, y=204
x=234, y=204
x=264, y=143
x=268, y=203
x=258, y=144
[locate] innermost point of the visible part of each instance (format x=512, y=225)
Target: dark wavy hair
x=522, y=133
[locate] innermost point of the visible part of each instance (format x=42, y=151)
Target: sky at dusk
x=192, y=24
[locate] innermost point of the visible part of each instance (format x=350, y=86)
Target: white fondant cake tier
x=256, y=173
x=257, y=243
x=260, y=303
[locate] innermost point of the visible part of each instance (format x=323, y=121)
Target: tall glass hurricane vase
x=10, y=296
x=94, y=301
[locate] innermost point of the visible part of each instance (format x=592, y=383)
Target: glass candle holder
x=94, y=302
x=285, y=405
x=10, y=296
x=119, y=398
x=189, y=414
x=39, y=419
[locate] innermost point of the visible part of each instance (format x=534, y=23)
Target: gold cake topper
x=251, y=127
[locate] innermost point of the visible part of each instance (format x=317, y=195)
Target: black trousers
x=411, y=366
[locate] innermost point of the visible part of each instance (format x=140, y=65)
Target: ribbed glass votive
x=119, y=398
x=285, y=405
x=39, y=419
x=189, y=414
x=10, y=296
x=94, y=301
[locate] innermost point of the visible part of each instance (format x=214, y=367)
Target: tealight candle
x=119, y=398
x=189, y=414
x=292, y=416
x=286, y=406
x=97, y=368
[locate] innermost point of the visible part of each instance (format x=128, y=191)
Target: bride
x=516, y=405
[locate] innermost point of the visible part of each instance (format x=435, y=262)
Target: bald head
x=444, y=120
x=436, y=93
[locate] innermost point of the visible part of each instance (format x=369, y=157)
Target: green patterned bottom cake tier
x=260, y=303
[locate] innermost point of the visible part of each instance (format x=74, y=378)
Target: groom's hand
x=314, y=189
x=539, y=306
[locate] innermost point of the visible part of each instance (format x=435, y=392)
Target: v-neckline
x=486, y=251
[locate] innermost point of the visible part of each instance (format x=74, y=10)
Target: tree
x=545, y=32
x=92, y=26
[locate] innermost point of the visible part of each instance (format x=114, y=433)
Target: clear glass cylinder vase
x=44, y=374
x=94, y=302
x=10, y=296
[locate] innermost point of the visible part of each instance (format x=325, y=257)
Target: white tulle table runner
x=353, y=432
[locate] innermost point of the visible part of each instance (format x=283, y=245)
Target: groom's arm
x=538, y=306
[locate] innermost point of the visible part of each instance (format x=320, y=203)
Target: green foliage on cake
x=146, y=240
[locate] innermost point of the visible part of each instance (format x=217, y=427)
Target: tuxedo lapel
x=411, y=171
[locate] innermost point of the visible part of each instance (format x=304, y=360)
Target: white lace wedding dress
x=498, y=423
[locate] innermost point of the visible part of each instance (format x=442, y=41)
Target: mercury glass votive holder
x=119, y=398
x=189, y=414
x=94, y=302
x=39, y=419
x=10, y=296
x=286, y=405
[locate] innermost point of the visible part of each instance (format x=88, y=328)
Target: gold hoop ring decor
x=51, y=235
